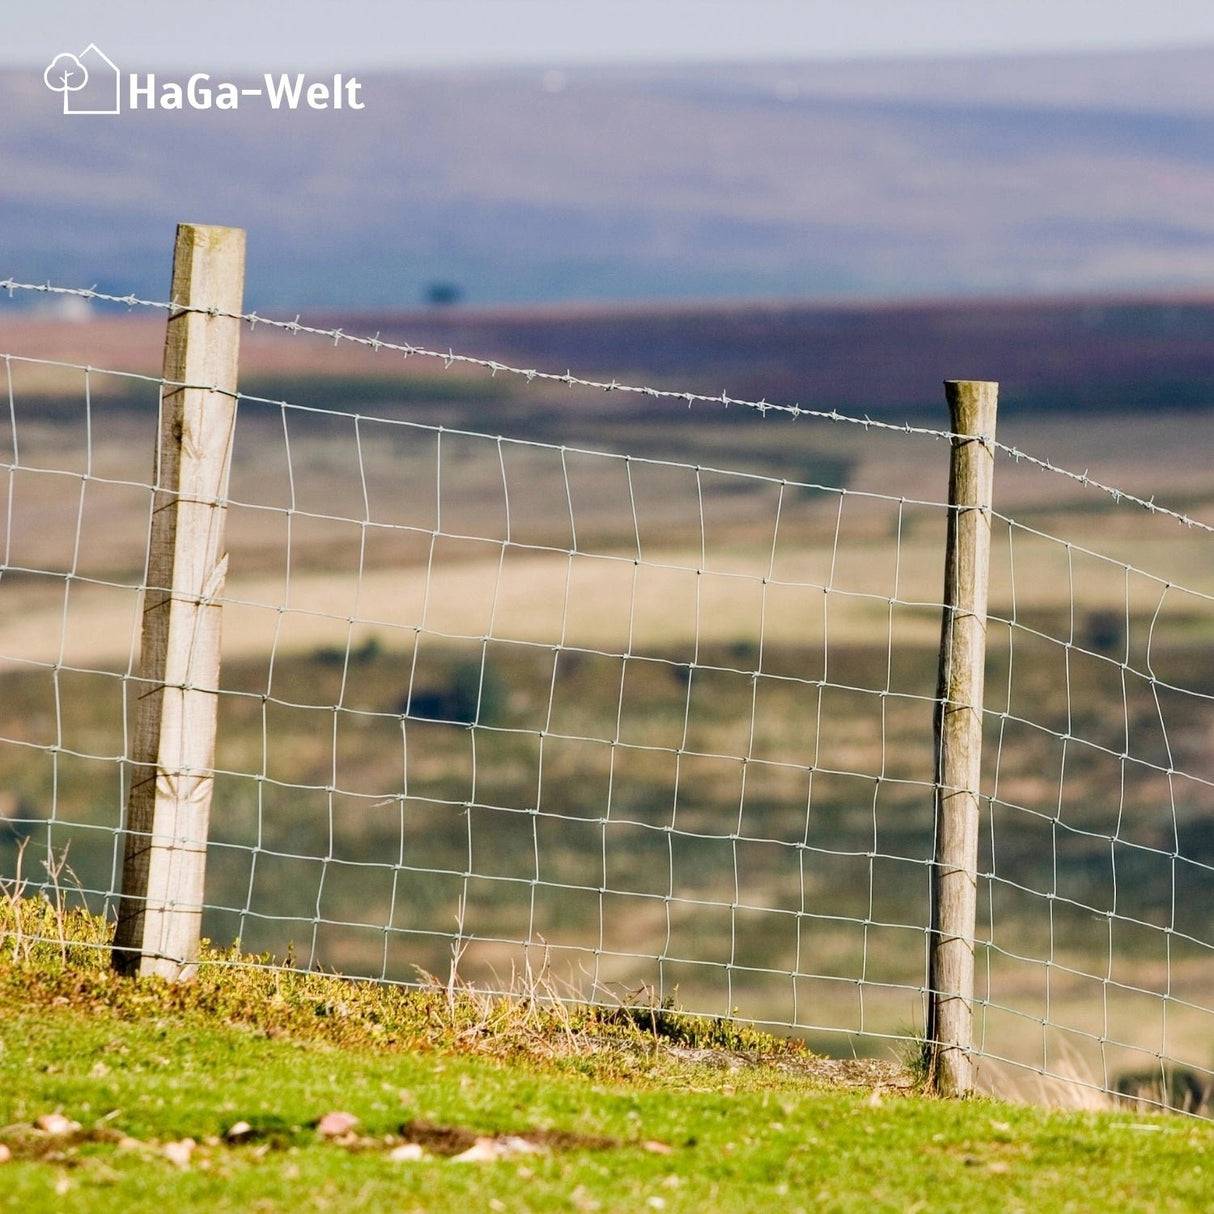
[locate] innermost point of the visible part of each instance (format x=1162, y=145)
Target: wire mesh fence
x=1097, y=864
x=663, y=727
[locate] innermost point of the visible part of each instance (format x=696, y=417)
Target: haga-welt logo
x=89, y=81
x=92, y=84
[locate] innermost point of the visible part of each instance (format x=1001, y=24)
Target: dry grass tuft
x=60, y=959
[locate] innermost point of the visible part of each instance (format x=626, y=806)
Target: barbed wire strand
x=532, y=374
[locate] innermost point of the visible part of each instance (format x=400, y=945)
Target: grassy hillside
x=217, y=1095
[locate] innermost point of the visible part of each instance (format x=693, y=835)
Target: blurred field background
x=761, y=884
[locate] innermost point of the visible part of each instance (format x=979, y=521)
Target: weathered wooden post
x=173, y=752
x=954, y=885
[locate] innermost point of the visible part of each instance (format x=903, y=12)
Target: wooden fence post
x=954, y=884
x=173, y=752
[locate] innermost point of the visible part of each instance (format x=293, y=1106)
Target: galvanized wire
x=485, y=705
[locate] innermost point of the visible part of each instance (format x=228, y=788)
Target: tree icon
x=65, y=74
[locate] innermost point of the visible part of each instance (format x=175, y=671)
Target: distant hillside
x=1094, y=353
x=1019, y=175
x=1079, y=354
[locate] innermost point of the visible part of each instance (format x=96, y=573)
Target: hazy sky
x=348, y=34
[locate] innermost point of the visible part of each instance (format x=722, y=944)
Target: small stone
x=512, y=1145
x=408, y=1152
x=334, y=1125
x=656, y=1148
x=178, y=1153
x=238, y=1132
x=483, y=1150
x=56, y=1124
x=5, y=1153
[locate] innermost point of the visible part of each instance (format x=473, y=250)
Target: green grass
x=619, y=1120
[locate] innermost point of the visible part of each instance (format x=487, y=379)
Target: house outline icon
x=101, y=68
